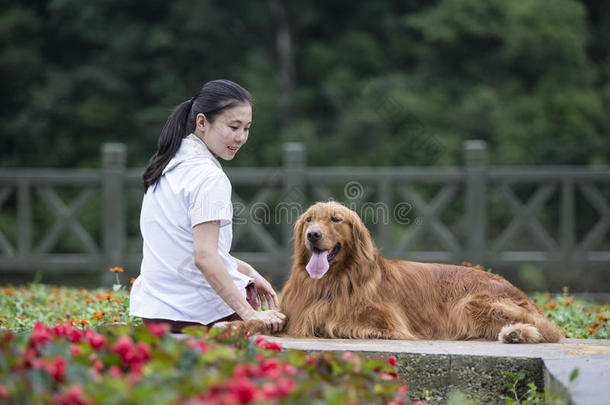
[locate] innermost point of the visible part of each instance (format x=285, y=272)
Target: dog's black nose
x=314, y=235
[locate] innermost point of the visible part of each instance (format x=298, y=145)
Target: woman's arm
x=265, y=291
x=207, y=260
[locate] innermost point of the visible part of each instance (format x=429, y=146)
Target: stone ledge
x=477, y=368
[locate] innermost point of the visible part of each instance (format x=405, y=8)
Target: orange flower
x=115, y=319
x=99, y=315
x=580, y=337
x=89, y=300
x=564, y=333
x=602, y=318
x=549, y=305
x=467, y=264
x=106, y=297
x=21, y=317
x=595, y=324
x=9, y=291
x=118, y=301
x=589, y=313
x=591, y=330
x=116, y=269
x=133, y=280
x=82, y=322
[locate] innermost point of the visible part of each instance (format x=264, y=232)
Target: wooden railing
x=556, y=218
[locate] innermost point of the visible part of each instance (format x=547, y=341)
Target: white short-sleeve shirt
x=192, y=189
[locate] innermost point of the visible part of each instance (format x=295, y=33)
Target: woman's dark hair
x=213, y=97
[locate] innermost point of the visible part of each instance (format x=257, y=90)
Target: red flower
x=159, y=329
x=74, y=396
x=7, y=337
x=57, y=368
x=261, y=342
x=40, y=335
x=243, y=390
x=392, y=361
x=143, y=351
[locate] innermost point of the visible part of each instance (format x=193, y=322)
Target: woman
x=187, y=275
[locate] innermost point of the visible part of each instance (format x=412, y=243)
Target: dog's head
x=330, y=236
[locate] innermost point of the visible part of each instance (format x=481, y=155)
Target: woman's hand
x=274, y=320
x=266, y=295
x=264, y=290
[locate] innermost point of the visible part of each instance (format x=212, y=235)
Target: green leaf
x=574, y=374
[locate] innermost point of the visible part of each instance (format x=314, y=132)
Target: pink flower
x=289, y=369
x=124, y=347
x=403, y=390
x=199, y=345
x=74, y=396
x=158, y=329
x=115, y=372
x=3, y=391
x=348, y=356
x=98, y=365
x=74, y=334
x=75, y=351
x=95, y=340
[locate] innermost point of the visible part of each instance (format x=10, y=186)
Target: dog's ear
x=363, y=244
x=297, y=235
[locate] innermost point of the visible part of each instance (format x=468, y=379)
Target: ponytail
x=169, y=142
x=211, y=100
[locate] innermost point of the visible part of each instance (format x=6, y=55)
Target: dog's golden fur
x=363, y=295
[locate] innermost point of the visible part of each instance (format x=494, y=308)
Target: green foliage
x=532, y=395
x=577, y=318
x=383, y=83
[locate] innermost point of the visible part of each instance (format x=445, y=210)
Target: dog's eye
x=308, y=219
x=335, y=219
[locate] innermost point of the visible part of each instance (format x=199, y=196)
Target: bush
x=117, y=364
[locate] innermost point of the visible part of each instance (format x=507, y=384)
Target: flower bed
x=92, y=351
x=63, y=364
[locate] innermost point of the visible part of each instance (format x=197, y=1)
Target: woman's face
x=228, y=132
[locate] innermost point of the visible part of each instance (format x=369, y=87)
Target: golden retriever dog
x=341, y=287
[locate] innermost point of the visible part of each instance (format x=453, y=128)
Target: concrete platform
x=437, y=368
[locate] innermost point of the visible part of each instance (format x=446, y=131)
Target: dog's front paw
x=234, y=326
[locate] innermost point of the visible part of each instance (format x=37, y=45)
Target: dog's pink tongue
x=318, y=264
